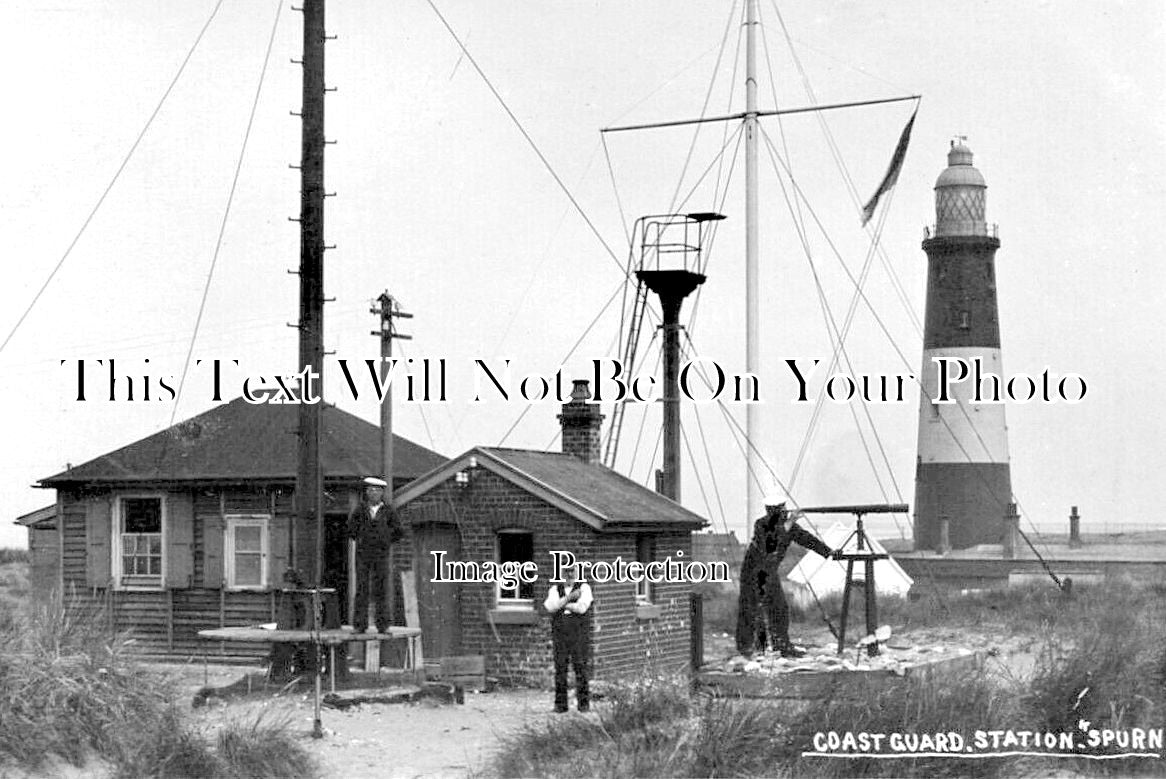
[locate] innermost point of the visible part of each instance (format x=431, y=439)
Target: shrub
x=9, y=555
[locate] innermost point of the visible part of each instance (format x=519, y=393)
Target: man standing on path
x=570, y=609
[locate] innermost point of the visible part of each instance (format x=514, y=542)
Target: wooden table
x=329, y=638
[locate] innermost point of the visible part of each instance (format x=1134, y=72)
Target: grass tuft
x=69, y=695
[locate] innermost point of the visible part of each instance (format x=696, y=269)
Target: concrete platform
x=1136, y=555
x=824, y=674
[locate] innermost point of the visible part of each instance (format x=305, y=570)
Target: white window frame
x=507, y=603
x=230, y=524
x=117, y=520
x=643, y=591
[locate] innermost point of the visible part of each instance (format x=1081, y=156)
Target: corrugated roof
x=241, y=441
x=611, y=496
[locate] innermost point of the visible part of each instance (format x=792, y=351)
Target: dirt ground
x=434, y=739
x=422, y=739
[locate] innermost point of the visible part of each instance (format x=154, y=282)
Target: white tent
x=827, y=577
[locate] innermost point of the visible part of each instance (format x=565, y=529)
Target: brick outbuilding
x=497, y=505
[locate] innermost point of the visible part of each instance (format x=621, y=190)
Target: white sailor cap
x=373, y=481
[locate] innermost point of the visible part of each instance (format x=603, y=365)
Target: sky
x=442, y=201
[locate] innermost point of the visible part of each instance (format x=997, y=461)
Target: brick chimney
x=581, y=422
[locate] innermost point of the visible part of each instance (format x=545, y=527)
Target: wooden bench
x=462, y=671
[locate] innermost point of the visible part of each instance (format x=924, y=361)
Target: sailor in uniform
x=374, y=528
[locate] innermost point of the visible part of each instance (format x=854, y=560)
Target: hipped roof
x=594, y=494
x=244, y=442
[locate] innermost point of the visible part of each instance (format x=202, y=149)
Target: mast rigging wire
x=838, y=336
x=704, y=106
x=227, y=210
x=894, y=344
x=570, y=352
x=530, y=141
x=840, y=162
x=112, y=181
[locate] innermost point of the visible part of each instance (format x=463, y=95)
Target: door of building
x=438, y=603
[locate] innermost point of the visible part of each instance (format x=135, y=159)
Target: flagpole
x=752, y=410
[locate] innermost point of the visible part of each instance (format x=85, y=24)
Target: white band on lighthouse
x=960, y=430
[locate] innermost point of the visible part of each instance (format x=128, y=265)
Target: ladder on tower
x=635, y=323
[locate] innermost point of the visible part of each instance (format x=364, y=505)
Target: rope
x=848, y=180
x=226, y=212
x=704, y=106
x=112, y=181
x=838, y=336
x=570, y=352
x=542, y=158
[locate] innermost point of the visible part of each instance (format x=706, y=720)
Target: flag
x=892, y=171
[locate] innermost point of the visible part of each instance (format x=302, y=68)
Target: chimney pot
x=581, y=422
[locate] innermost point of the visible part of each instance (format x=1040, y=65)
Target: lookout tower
x=671, y=265
x=962, y=474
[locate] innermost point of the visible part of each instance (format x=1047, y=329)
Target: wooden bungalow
x=189, y=528
x=499, y=505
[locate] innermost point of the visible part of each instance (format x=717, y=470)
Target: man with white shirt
x=570, y=608
x=374, y=528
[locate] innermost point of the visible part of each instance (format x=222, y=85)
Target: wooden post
x=413, y=620
x=696, y=628
x=387, y=310
x=308, y=531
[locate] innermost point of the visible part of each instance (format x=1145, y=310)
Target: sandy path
x=423, y=739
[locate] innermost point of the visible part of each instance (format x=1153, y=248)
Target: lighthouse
x=962, y=477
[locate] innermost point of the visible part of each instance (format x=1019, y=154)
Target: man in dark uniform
x=762, y=610
x=570, y=609
x=374, y=528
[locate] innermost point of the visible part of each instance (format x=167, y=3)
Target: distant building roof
x=43, y=518
x=595, y=494
x=241, y=441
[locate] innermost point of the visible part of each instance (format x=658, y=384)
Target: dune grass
x=68, y=694
x=1101, y=664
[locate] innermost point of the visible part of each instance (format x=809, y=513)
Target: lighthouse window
x=965, y=320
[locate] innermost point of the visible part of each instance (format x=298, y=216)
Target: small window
x=139, y=539
x=516, y=546
x=645, y=553
x=245, y=551
x=965, y=320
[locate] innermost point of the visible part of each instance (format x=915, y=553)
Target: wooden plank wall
x=165, y=623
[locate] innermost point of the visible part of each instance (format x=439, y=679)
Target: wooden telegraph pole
x=307, y=537
x=388, y=309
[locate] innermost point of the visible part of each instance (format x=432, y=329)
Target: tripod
x=865, y=554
